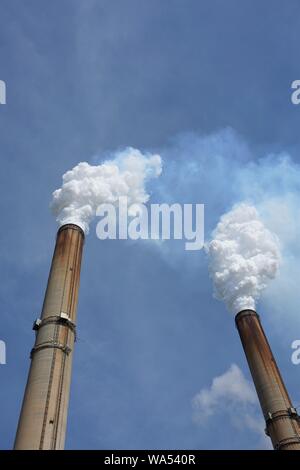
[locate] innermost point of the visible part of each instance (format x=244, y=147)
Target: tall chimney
x=282, y=420
x=43, y=417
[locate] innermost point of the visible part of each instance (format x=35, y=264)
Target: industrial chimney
x=282, y=420
x=43, y=418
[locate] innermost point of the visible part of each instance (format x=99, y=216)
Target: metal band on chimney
x=62, y=347
x=58, y=320
x=286, y=444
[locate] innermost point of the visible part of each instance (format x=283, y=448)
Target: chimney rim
x=246, y=312
x=72, y=227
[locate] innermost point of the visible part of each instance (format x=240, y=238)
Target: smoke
x=221, y=169
x=196, y=171
x=87, y=186
x=243, y=258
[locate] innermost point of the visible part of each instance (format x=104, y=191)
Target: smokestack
x=43, y=418
x=282, y=420
x=244, y=257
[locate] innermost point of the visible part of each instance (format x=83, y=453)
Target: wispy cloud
x=233, y=395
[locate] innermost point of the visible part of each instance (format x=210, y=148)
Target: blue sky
x=205, y=84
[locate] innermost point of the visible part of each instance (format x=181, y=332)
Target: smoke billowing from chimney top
x=87, y=186
x=243, y=257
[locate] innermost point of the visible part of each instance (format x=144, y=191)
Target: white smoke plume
x=243, y=257
x=87, y=186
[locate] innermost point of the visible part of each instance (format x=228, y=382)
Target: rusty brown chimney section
x=43, y=418
x=282, y=420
